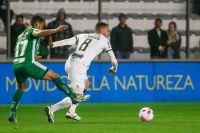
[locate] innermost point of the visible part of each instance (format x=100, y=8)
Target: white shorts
x=77, y=75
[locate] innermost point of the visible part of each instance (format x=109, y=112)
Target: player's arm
x=69, y=42
x=49, y=32
x=113, y=69
x=109, y=51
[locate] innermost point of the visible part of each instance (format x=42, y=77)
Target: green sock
x=16, y=98
x=64, y=87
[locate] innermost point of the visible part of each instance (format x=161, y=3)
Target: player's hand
x=112, y=70
x=50, y=42
x=61, y=27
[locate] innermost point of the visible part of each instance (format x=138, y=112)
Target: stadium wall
x=134, y=82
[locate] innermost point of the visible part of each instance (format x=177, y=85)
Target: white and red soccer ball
x=146, y=114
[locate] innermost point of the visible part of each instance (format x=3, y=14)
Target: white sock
x=66, y=102
x=72, y=108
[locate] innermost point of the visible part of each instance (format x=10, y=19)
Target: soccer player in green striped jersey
x=25, y=63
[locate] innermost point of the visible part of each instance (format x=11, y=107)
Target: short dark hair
x=158, y=19
x=100, y=25
x=122, y=15
x=35, y=19
x=19, y=16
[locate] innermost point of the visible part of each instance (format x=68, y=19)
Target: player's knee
x=22, y=86
x=22, y=89
x=55, y=76
x=51, y=75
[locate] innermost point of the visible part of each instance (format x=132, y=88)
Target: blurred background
x=157, y=43
x=82, y=15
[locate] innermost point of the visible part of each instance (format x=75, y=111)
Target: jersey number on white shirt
x=85, y=44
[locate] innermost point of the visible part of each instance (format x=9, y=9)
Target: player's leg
x=17, y=96
x=39, y=71
x=77, y=75
x=73, y=107
x=66, y=102
x=73, y=72
x=71, y=113
x=62, y=104
x=50, y=75
x=21, y=84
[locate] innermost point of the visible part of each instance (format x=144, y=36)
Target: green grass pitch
x=106, y=118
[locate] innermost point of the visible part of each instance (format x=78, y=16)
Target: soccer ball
x=146, y=114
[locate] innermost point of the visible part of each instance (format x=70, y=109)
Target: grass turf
x=106, y=118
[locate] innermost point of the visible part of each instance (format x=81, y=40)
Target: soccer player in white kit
x=88, y=46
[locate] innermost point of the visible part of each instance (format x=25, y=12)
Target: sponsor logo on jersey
x=75, y=55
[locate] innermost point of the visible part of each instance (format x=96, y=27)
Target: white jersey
x=88, y=47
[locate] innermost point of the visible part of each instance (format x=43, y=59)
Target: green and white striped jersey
x=27, y=47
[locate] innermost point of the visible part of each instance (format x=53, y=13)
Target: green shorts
x=34, y=70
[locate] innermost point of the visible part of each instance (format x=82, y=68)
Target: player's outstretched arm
x=69, y=42
x=49, y=32
x=113, y=69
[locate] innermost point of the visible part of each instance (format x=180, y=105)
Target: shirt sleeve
x=113, y=59
x=107, y=46
x=69, y=42
x=33, y=31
